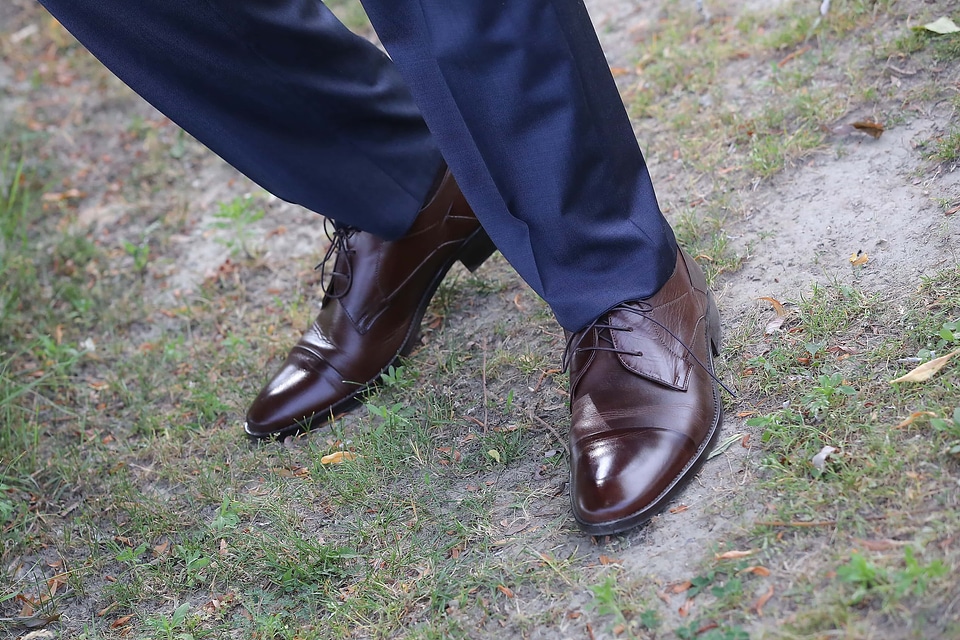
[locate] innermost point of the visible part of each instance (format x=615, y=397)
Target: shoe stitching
x=642, y=309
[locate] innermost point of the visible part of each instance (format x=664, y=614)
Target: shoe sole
x=690, y=471
x=473, y=252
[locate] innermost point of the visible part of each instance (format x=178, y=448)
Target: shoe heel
x=713, y=324
x=476, y=250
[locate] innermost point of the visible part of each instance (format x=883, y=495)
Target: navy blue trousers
x=515, y=96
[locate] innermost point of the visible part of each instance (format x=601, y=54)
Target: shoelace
x=640, y=308
x=338, y=235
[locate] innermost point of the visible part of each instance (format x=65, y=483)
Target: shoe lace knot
x=605, y=341
x=332, y=269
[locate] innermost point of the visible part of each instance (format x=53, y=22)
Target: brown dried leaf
x=121, y=621
x=27, y=610
x=605, y=560
x=338, y=457
x=870, y=128
x=913, y=417
x=859, y=258
x=681, y=587
x=762, y=600
x=505, y=590
x=777, y=305
x=927, y=370
x=733, y=554
x=878, y=545
x=756, y=570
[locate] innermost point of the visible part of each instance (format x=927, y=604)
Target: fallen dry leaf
x=119, y=622
x=774, y=325
x=505, y=590
x=874, y=129
x=777, y=305
x=762, y=600
x=680, y=508
x=913, y=417
x=927, y=370
x=681, y=587
x=28, y=608
x=791, y=56
x=605, y=560
x=756, y=570
x=733, y=554
x=859, y=258
x=942, y=26
x=337, y=457
x=878, y=545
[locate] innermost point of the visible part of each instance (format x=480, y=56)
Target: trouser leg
x=521, y=103
x=281, y=90
x=518, y=98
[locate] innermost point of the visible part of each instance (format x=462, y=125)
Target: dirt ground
x=799, y=228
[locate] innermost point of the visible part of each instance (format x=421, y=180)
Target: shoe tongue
x=664, y=360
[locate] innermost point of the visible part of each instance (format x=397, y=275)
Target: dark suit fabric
x=515, y=96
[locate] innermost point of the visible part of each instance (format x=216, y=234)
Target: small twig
x=799, y=52
x=723, y=446
x=797, y=523
x=549, y=428
x=543, y=376
x=820, y=523
x=898, y=71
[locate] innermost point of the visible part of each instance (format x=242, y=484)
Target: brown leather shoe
x=370, y=315
x=644, y=401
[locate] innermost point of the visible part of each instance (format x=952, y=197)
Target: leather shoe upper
x=377, y=294
x=644, y=402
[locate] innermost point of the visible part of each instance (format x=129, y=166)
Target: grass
x=131, y=506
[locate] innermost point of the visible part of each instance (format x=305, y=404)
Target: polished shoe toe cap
x=624, y=477
x=297, y=397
